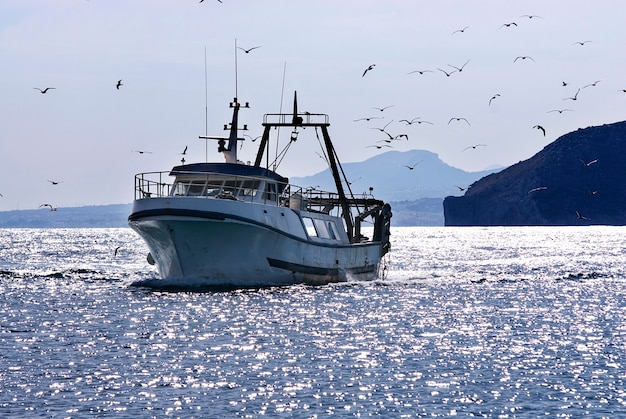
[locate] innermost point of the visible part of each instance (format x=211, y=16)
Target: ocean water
x=487, y=322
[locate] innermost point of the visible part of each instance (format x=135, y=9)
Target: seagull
x=531, y=16
x=460, y=189
x=575, y=96
x=508, y=25
x=587, y=164
x=115, y=251
x=44, y=91
x=540, y=188
x=459, y=69
x=413, y=166
x=474, y=146
x=460, y=30
x=523, y=57
x=54, y=182
x=446, y=73
x=382, y=109
x=379, y=146
x=419, y=71
x=247, y=51
x=493, y=97
x=371, y=67
x=411, y=122
x=458, y=119
x=580, y=216
x=592, y=84
x=142, y=152
x=539, y=127
x=561, y=110
x=184, y=151
x=49, y=206
x=367, y=119
x=564, y=83
x=580, y=42
x=119, y=83
x=383, y=128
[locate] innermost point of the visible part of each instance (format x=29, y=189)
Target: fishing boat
x=235, y=224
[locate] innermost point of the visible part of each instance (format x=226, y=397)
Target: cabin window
x=214, y=186
x=195, y=188
x=322, y=230
x=332, y=230
x=309, y=226
x=270, y=191
x=248, y=188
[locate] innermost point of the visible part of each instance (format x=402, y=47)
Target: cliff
x=579, y=179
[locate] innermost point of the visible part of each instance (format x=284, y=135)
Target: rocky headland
x=579, y=179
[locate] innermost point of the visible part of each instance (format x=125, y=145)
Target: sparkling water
x=492, y=322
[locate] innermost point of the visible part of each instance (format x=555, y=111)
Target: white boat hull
x=238, y=245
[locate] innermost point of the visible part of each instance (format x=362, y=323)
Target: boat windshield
x=217, y=186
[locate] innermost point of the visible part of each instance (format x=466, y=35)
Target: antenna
x=236, y=92
x=206, y=110
x=282, y=96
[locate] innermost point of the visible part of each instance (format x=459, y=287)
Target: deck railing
x=217, y=185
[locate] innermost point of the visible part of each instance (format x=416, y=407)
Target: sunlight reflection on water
x=495, y=322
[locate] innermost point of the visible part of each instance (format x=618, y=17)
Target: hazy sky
x=85, y=133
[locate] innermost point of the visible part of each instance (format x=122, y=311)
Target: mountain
x=579, y=179
x=391, y=180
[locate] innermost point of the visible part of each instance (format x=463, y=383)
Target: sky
x=176, y=60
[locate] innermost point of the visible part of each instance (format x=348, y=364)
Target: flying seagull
x=371, y=67
x=142, y=152
x=540, y=188
x=580, y=216
x=380, y=146
x=115, y=251
x=368, y=119
x=508, y=25
x=247, y=51
x=419, y=71
x=44, y=91
x=413, y=166
x=531, y=16
x=592, y=84
x=446, y=73
x=409, y=122
x=575, y=97
x=184, y=151
x=542, y=129
x=459, y=69
x=49, y=206
x=458, y=119
x=119, y=84
x=580, y=42
x=493, y=97
x=54, y=182
x=382, y=109
x=383, y=128
x=587, y=164
x=523, y=57
x=561, y=110
x=460, y=30
x=474, y=146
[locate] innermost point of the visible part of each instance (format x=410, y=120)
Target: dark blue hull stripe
x=314, y=270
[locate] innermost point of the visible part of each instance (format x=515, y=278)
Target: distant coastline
x=93, y=216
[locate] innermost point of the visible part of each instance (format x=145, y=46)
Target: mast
x=307, y=119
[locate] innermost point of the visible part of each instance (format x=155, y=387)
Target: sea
x=519, y=322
